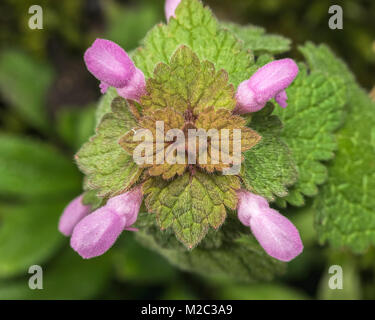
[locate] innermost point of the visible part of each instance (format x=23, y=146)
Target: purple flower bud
x=270, y=81
x=96, y=233
x=275, y=233
x=73, y=213
x=136, y=89
x=109, y=63
x=127, y=205
x=170, y=8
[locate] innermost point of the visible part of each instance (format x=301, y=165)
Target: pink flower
x=127, y=205
x=270, y=81
x=170, y=8
x=109, y=63
x=73, y=213
x=136, y=89
x=275, y=233
x=98, y=231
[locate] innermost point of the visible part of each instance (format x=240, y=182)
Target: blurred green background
x=47, y=110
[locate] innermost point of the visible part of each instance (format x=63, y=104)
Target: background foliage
x=47, y=110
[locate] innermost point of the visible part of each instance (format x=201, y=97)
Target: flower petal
x=270, y=81
x=109, y=63
x=103, y=87
x=272, y=78
x=73, y=213
x=170, y=8
x=276, y=234
x=127, y=205
x=136, y=88
x=246, y=99
x=96, y=233
x=281, y=98
x=248, y=205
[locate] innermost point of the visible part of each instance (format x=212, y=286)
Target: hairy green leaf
x=90, y=198
x=187, y=82
x=256, y=39
x=190, y=204
x=269, y=166
x=197, y=28
x=229, y=252
x=104, y=105
x=109, y=169
x=315, y=111
x=345, y=214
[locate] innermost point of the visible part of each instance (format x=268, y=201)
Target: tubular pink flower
x=170, y=8
x=97, y=232
x=109, y=63
x=275, y=233
x=127, y=205
x=73, y=213
x=136, y=89
x=270, y=81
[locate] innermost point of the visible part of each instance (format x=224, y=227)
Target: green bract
x=187, y=82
